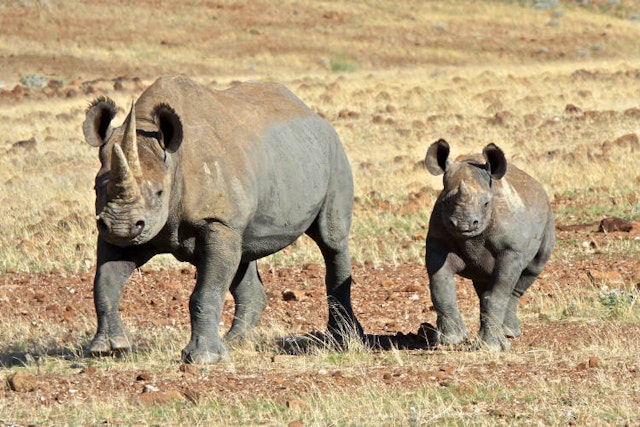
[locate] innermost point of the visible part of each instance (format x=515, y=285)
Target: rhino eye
x=159, y=193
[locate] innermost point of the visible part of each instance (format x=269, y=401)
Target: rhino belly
x=294, y=174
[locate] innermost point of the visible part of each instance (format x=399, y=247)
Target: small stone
x=295, y=404
x=144, y=376
x=594, y=362
x=89, y=370
x=190, y=370
x=22, y=382
x=150, y=388
x=608, y=225
x=160, y=398
x=413, y=287
x=292, y=295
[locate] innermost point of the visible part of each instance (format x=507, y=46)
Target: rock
x=292, y=295
x=600, y=277
x=89, y=370
x=22, y=382
x=144, y=376
x=27, y=145
x=190, y=370
x=159, y=398
x=413, y=287
x=608, y=225
x=296, y=404
x=570, y=108
x=594, y=362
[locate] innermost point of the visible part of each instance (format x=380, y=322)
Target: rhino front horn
x=122, y=183
x=130, y=144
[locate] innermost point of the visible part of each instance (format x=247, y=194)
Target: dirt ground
x=392, y=302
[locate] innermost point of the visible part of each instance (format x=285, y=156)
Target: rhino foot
x=511, y=331
x=491, y=342
x=103, y=344
x=198, y=354
x=511, y=326
x=451, y=332
x=451, y=339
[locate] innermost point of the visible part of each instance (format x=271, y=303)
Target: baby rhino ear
x=496, y=162
x=437, y=159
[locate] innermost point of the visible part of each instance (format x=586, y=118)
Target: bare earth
x=391, y=301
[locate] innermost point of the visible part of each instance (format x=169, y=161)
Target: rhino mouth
x=121, y=230
x=465, y=228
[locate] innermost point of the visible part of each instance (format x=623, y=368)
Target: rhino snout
x=466, y=225
x=109, y=227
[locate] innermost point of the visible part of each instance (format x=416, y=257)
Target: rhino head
x=134, y=181
x=466, y=202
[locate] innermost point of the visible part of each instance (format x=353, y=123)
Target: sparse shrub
x=343, y=65
x=33, y=80
x=615, y=300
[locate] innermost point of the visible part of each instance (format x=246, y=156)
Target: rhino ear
x=97, y=120
x=437, y=159
x=170, y=127
x=496, y=161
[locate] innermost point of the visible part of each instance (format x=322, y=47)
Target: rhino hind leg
x=332, y=239
x=511, y=326
x=250, y=301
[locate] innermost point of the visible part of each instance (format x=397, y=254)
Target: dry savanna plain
x=556, y=84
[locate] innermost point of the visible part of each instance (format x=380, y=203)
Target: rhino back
x=253, y=157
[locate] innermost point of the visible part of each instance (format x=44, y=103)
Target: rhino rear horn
x=97, y=121
x=437, y=159
x=122, y=183
x=496, y=161
x=130, y=144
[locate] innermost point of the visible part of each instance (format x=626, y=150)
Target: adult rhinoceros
x=218, y=179
x=492, y=224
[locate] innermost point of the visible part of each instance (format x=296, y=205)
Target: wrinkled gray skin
x=492, y=224
x=218, y=179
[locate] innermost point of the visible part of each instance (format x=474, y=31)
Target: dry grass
x=470, y=72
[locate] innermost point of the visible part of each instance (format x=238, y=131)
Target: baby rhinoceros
x=218, y=179
x=492, y=224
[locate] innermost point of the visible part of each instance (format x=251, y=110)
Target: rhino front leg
x=498, y=301
x=449, y=324
x=250, y=300
x=217, y=262
x=114, y=267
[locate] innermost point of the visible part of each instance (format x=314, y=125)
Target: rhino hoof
x=492, y=345
x=203, y=357
x=510, y=332
x=99, y=346
x=451, y=339
x=102, y=345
